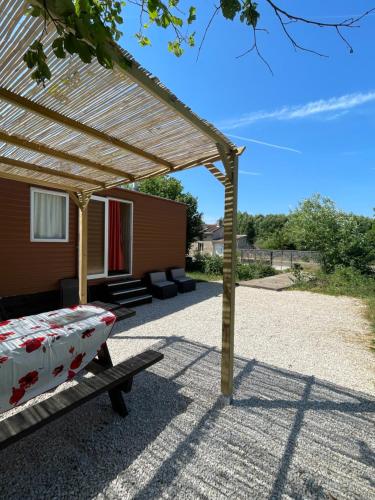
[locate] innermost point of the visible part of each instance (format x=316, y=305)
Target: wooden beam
x=218, y=174
x=75, y=199
x=82, y=253
x=45, y=112
x=36, y=182
x=56, y=153
x=229, y=278
x=225, y=154
x=50, y=171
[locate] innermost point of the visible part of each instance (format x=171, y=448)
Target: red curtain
x=115, y=250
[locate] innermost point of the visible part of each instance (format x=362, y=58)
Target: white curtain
x=49, y=216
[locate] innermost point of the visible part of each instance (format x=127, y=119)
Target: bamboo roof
x=90, y=128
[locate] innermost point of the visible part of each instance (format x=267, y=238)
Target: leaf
x=103, y=56
x=250, y=14
x=230, y=8
x=58, y=48
x=84, y=51
x=70, y=43
x=34, y=11
x=143, y=40
x=176, y=48
x=192, y=15
x=61, y=8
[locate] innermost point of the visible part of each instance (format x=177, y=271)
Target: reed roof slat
x=125, y=121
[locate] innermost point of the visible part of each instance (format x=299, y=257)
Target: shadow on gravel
x=284, y=435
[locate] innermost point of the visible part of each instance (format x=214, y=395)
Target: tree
x=318, y=225
x=88, y=28
x=250, y=232
x=243, y=219
x=172, y=189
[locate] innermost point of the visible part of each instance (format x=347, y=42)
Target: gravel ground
x=305, y=332
x=288, y=434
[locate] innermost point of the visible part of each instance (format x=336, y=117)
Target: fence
x=280, y=259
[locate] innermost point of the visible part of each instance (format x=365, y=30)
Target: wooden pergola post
x=83, y=202
x=229, y=274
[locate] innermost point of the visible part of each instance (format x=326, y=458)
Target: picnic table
x=40, y=352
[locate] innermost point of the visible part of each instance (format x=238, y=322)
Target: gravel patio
x=301, y=425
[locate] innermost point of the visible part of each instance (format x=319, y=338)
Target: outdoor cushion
x=38, y=353
x=163, y=283
x=184, y=283
x=157, y=277
x=178, y=273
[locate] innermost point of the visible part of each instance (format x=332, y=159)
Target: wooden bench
x=113, y=379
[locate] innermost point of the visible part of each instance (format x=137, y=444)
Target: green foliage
x=250, y=232
x=254, y=270
x=172, y=189
x=267, y=231
x=339, y=238
x=88, y=27
x=212, y=265
x=83, y=27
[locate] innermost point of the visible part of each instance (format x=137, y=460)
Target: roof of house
x=239, y=236
x=210, y=228
x=91, y=128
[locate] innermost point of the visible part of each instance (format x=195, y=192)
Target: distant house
x=212, y=242
x=210, y=232
x=218, y=244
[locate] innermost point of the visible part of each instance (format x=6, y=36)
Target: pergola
x=91, y=129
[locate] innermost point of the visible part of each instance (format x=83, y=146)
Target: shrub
x=254, y=270
x=213, y=265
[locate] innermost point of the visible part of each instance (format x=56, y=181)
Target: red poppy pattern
x=109, y=320
x=77, y=361
x=35, y=358
x=32, y=344
x=88, y=333
x=4, y=336
x=57, y=370
x=29, y=379
x=17, y=394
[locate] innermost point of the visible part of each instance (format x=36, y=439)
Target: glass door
x=97, y=241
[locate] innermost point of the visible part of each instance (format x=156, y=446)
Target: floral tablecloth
x=38, y=353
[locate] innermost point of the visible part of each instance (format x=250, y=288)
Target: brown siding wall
x=159, y=232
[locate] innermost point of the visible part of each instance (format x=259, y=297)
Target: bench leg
x=115, y=395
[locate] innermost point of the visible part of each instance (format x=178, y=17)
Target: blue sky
x=320, y=110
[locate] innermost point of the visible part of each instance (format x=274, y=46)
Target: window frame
x=34, y=190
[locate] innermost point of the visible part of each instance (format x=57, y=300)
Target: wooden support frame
x=83, y=200
x=55, y=153
x=50, y=171
x=36, y=182
x=218, y=174
x=229, y=274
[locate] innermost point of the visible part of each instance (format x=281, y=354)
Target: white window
x=49, y=215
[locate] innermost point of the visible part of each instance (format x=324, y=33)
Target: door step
x=135, y=301
x=127, y=292
x=124, y=283
x=132, y=292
